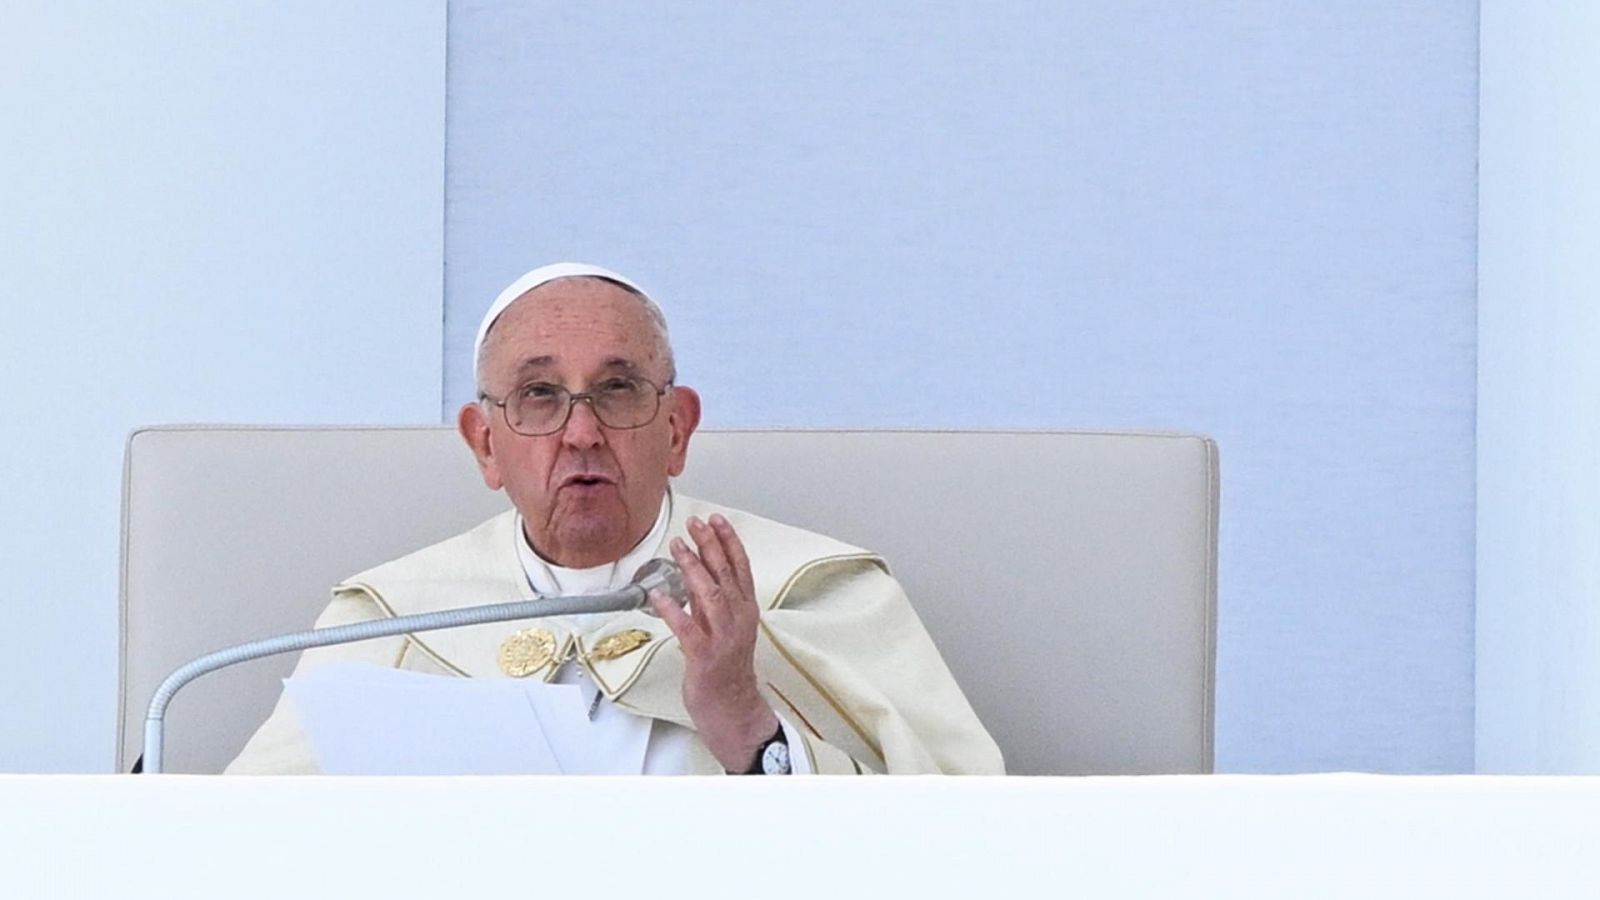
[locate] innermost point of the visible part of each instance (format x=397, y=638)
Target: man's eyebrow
x=535, y=362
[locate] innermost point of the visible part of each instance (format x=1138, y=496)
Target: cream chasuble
x=841, y=656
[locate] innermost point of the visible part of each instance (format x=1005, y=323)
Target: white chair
x=1069, y=578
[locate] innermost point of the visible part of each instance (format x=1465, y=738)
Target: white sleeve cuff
x=799, y=759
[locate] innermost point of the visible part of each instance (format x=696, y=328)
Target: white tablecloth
x=756, y=838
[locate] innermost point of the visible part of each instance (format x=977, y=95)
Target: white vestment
x=841, y=656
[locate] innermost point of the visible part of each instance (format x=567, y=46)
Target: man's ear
x=473, y=423
x=683, y=418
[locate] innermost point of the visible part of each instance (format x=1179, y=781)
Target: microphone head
x=664, y=575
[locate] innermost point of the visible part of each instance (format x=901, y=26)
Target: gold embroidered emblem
x=526, y=652
x=620, y=644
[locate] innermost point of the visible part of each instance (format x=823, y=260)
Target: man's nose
x=583, y=427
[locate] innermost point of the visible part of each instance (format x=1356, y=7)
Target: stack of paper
x=367, y=720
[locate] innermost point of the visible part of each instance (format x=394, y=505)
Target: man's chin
x=591, y=538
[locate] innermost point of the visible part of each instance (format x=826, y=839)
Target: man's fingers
x=709, y=541
x=705, y=605
x=677, y=619
x=737, y=556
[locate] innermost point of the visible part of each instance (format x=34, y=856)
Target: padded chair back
x=1069, y=578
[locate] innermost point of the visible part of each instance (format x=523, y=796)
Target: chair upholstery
x=1069, y=578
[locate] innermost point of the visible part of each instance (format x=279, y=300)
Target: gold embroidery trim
x=644, y=663
x=622, y=643
x=526, y=652
x=777, y=599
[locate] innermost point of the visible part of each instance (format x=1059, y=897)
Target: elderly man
x=795, y=654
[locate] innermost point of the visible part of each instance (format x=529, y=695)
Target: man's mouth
x=585, y=480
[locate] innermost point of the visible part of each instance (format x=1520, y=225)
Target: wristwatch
x=773, y=756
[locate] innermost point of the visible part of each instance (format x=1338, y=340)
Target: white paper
x=612, y=743
x=367, y=720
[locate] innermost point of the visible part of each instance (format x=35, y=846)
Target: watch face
x=775, y=759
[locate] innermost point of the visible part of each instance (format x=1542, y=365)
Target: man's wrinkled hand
x=717, y=633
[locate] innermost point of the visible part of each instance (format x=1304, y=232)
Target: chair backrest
x=1069, y=578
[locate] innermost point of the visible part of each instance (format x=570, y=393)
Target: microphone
x=657, y=574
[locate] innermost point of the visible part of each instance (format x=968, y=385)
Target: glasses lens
x=537, y=408
x=624, y=402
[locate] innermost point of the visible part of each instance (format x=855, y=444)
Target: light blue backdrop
x=1253, y=219
x=1538, y=659
x=208, y=212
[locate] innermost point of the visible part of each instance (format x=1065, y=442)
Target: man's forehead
x=560, y=328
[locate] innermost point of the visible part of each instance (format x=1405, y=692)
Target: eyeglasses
x=539, y=407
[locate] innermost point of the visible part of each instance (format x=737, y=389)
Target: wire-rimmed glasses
x=620, y=402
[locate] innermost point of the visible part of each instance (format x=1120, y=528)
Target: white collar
x=548, y=579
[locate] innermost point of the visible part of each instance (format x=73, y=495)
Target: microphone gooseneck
x=657, y=574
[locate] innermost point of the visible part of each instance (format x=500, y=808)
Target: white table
x=1186, y=837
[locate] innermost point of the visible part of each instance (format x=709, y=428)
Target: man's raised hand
x=717, y=633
